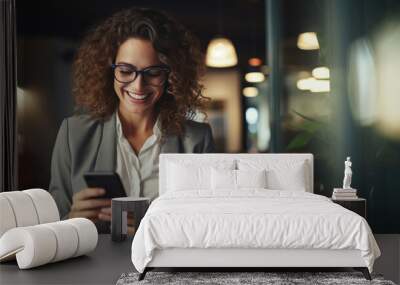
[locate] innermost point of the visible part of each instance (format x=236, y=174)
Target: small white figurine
x=347, y=174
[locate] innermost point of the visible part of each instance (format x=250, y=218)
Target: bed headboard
x=209, y=158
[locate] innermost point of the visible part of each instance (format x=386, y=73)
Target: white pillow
x=292, y=179
x=182, y=178
x=235, y=179
x=223, y=179
x=251, y=178
x=281, y=174
x=187, y=175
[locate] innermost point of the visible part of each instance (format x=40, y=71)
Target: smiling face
x=137, y=97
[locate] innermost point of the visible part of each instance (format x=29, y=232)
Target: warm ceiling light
x=308, y=41
x=305, y=83
x=254, y=77
x=221, y=53
x=314, y=85
x=321, y=72
x=320, y=86
x=250, y=91
x=255, y=61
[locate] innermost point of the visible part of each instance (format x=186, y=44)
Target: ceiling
x=243, y=21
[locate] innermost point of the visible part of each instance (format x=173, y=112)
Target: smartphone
x=110, y=181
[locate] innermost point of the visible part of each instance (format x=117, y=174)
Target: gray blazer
x=84, y=144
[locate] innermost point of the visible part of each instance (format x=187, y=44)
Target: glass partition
x=339, y=97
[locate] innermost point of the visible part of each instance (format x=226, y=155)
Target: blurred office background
x=315, y=76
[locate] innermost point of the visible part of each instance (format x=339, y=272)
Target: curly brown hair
x=176, y=47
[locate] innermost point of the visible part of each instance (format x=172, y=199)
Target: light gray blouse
x=138, y=173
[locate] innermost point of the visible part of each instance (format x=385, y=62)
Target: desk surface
x=102, y=266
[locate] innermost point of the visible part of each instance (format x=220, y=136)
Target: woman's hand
x=87, y=204
x=105, y=215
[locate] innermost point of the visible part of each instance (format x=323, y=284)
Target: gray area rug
x=231, y=278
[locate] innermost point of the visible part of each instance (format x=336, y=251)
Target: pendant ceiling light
x=308, y=41
x=254, y=77
x=321, y=72
x=250, y=91
x=254, y=74
x=255, y=61
x=314, y=85
x=221, y=53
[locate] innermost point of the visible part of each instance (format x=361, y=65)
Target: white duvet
x=252, y=218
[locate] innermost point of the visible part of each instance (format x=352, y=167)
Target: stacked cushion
x=41, y=244
x=27, y=208
x=31, y=230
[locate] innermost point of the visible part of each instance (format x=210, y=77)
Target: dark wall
x=44, y=99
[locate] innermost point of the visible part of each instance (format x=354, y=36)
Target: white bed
x=197, y=224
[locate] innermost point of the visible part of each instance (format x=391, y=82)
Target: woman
x=136, y=79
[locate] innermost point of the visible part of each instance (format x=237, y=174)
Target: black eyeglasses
x=155, y=75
